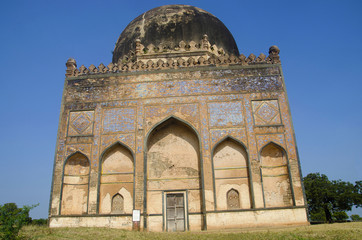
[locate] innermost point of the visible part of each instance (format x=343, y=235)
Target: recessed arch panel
x=116, y=176
x=230, y=167
x=75, y=185
x=275, y=176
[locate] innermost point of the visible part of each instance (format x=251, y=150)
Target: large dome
x=170, y=24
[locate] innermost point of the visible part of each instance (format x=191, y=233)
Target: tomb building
x=179, y=126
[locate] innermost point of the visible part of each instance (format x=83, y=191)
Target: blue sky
x=321, y=54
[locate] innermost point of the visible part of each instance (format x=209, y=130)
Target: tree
x=358, y=194
x=340, y=216
x=12, y=219
x=330, y=198
x=356, y=217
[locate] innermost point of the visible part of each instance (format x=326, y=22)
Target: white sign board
x=136, y=215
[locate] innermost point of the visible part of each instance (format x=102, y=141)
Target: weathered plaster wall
x=75, y=185
x=245, y=219
x=275, y=175
x=123, y=222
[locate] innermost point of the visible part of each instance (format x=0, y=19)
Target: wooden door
x=175, y=212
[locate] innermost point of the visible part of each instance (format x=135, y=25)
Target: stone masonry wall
x=247, y=104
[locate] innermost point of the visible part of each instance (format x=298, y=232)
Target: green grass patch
x=341, y=231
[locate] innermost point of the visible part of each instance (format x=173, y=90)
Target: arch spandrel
x=125, y=139
x=264, y=140
x=85, y=149
x=238, y=134
x=187, y=113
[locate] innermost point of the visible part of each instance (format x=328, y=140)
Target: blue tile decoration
x=237, y=133
x=250, y=129
x=187, y=112
x=266, y=112
x=119, y=120
x=86, y=149
x=80, y=123
x=265, y=139
x=140, y=128
x=180, y=88
x=288, y=126
x=224, y=114
x=96, y=139
x=126, y=139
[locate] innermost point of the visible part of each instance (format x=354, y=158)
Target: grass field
x=323, y=231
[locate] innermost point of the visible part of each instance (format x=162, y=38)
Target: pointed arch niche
x=116, y=180
x=173, y=163
x=231, y=175
x=233, y=199
x=75, y=185
x=275, y=176
x=117, y=203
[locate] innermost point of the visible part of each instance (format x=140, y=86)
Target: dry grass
x=323, y=231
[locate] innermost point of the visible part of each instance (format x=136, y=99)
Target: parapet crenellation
x=186, y=54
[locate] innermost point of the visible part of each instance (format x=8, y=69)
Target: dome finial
x=71, y=65
x=205, y=42
x=274, y=54
x=274, y=50
x=138, y=47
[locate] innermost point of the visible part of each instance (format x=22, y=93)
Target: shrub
x=40, y=222
x=12, y=219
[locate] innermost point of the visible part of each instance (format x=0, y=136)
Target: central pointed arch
x=173, y=162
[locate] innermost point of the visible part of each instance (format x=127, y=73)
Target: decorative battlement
x=190, y=54
x=183, y=47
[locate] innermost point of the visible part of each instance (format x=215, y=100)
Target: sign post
x=136, y=218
